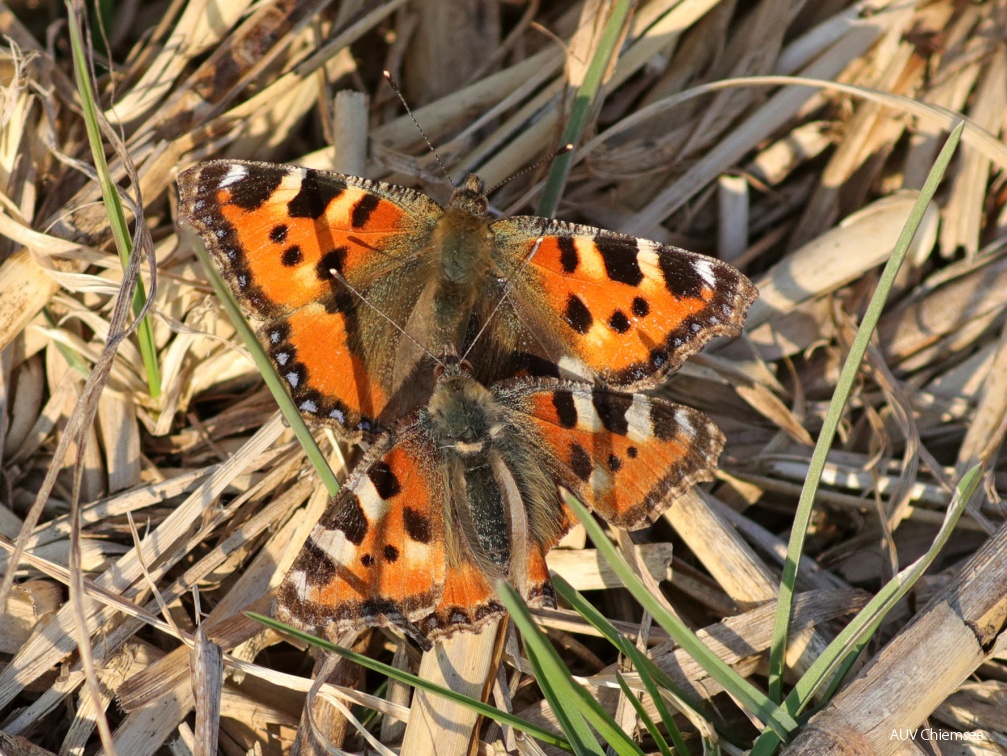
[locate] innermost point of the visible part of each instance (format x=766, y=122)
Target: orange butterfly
x=464, y=491
x=357, y=281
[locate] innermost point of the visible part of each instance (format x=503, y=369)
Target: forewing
x=626, y=456
x=377, y=556
x=628, y=309
x=283, y=238
x=276, y=232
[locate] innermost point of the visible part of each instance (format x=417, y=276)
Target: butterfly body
x=465, y=491
x=357, y=281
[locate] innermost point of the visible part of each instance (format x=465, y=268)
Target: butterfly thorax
x=462, y=415
x=462, y=235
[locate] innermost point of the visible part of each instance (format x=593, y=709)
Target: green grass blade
x=641, y=712
x=743, y=691
x=843, y=388
x=841, y=653
x=654, y=679
x=604, y=57
x=394, y=673
x=273, y=381
x=571, y=703
x=113, y=204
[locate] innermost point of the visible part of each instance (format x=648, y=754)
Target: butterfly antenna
x=395, y=88
x=548, y=158
x=339, y=277
x=507, y=287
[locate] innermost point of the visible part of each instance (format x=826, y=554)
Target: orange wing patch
x=626, y=456
x=327, y=377
x=630, y=309
x=377, y=556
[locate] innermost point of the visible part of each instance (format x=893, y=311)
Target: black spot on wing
x=612, y=408
x=344, y=303
x=349, y=518
x=577, y=315
x=314, y=196
x=278, y=233
x=580, y=462
x=385, y=482
x=417, y=525
x=632, y=452
x=619, y=255
x=618, y=322
x=291, y=256
x=333, y=260
x=252, y=190
x=363, y=209
x=565, y=410
x=568, y=256
x=681, y=277
x=367, y=560
x=391, y=553
x=614, y=463
x=663, y=421
x=641, y=308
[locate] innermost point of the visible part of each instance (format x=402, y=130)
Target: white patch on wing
x=591, y=264
x=370, y=500
x=419, y=553
x=234, y=174
x=600, y=481
x=332, y=542
x=571, y=367
x=587, y=415
x=298, y=579
x=638, y=418
x=647, y=257
x=706, y=272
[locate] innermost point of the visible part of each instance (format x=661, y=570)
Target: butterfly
x=357, y=282
x=464, y=491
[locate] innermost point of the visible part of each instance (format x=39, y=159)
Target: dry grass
x=181, y=509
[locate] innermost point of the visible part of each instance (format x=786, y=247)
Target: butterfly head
x=462, y=414
x=471, y=196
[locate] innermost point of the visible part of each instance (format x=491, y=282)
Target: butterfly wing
x=377, y=556
x=283, y=237
x=626, y=456
x=625, y=310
